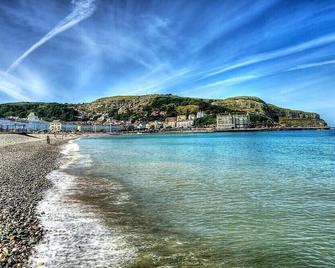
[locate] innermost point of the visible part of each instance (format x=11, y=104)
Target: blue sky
x=80, y=50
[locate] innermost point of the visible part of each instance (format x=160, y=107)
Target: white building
x=185, y=124
x=184, y=121
x=141, y=126
x=32, y=117
x=55, y=126
x=230, y=121
x=201, y=114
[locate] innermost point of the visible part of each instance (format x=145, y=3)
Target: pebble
x=23, y=171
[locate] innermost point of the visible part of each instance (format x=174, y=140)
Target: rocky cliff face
x=293, y=114
x=257, y=105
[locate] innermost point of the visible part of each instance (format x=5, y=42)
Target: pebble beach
x=25, y=162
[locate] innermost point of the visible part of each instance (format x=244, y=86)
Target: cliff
x=271, y=113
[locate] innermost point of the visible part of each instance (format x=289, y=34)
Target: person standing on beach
x=48, y=139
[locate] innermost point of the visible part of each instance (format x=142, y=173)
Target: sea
x=247, y=199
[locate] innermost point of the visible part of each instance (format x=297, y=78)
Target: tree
x=187, y=109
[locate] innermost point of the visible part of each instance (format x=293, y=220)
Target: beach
x=25, y=162
x=193, y=200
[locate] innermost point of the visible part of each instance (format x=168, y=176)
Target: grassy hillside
x=46, y=111
x=158, y=107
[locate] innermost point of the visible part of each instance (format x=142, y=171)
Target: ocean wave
x=70, y=153
x=76, y=235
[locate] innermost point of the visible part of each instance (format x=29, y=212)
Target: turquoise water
x=215, y=200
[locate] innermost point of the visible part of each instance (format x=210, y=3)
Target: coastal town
x=180, y=123
x=154, y=113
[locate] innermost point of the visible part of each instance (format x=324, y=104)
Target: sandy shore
x=25, y=162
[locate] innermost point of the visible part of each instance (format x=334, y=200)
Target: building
x=141, y=126
x=170, y=122
x=181, y=117
x=159, y=124
x=184, y=121
x=32, y=117
x=185, y=124
x=201, y=114
x=55, y=126
x=155, y=125
x=230, y=121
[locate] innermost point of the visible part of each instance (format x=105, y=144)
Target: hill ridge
x=157, y=107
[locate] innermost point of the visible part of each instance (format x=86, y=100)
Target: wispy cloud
x=313, y=65
x=258, y=58
x=232, y=81
x=11, y=86
x=25, y=86
x=222, y=84
x=82, y=10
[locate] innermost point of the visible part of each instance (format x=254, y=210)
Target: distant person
x=48, y=139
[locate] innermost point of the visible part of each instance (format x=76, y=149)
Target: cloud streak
x=312, y=65
x=25, y=86
x=82, y=10
x=232, y=81
x=11, y=86
x=258, y=58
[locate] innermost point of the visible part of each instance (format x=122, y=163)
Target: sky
x=79, y=50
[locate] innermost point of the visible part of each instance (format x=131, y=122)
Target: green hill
x=47, y=111
x=160, y=106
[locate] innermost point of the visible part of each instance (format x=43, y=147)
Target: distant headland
x=158, y=112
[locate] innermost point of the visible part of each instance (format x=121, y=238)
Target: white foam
x=70, y=152
x=76, y=236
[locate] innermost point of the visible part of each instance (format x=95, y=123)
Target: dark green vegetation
x=158, y=107
x=46, y=111
x=207, y=120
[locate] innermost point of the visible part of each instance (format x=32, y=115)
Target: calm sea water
x=263, y=199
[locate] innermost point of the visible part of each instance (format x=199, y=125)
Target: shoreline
x=199, y=131
x=31, y=234
x=76, y=232
x=26, y=160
